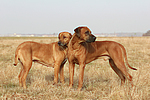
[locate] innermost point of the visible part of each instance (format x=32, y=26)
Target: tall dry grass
x=100, y=81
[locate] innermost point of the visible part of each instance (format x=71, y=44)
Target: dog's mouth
x=91, y=39
x=62, y=44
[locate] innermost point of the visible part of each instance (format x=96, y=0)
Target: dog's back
x=24, y=49
x=20, y=48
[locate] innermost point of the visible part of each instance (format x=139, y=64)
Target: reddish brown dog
x=83, y=49
x=53, y=54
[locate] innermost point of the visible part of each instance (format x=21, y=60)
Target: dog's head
x=84, y=33
x=64, y=38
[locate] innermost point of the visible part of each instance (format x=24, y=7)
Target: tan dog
x=53, y=54
x=82, y=50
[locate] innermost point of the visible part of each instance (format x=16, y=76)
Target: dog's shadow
x=28, y=80
x=88, y=81
x=49, y=77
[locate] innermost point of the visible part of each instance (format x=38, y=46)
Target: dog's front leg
x=81, y=74
x=71, y=72
x=56, y=71
x=62, y=73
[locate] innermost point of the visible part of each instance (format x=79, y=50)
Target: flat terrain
x=100, y=81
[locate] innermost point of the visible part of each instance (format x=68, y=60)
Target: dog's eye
x=87, y=32
x=64, y=37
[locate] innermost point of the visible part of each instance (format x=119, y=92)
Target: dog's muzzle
x=61, y=44
x=91, y=39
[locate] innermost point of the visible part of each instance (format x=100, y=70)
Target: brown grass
x=100, y=81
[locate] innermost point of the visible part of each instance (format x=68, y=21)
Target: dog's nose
x=94, y=38
x=59, y=43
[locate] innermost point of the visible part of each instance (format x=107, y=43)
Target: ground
x=100, y=81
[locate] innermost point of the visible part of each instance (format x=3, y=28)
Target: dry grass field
x=100, y=81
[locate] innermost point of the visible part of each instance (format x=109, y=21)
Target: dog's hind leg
x=118, y=72
x=26, y=68
x=20, y=76
x=121, y=66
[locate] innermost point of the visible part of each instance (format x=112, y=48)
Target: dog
x=82, y=49
x=53, y=54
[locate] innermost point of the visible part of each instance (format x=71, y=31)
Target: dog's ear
x=70, y=35
x=77, y=30
x=59, y=35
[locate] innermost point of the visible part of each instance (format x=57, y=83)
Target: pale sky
x=53, y=16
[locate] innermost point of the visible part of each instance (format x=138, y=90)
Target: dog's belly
x=91, y=58
x=98, y=55
x=46, y=62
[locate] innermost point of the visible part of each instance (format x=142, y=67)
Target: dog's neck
x=76, y=39
x=75, y=42
x=63, y=47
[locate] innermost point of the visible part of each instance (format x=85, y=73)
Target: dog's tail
x=125, y=56
x=16, y=56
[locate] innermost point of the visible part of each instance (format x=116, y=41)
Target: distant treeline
x=147, y=33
